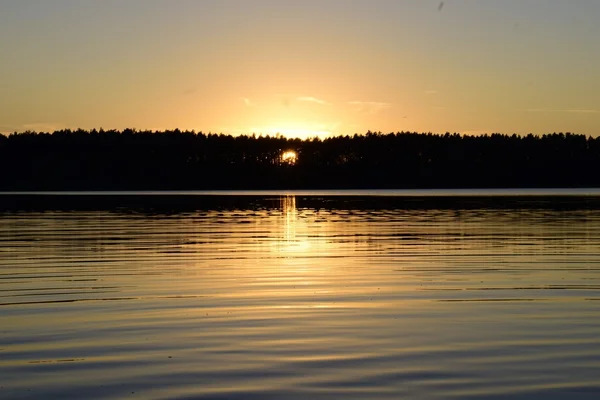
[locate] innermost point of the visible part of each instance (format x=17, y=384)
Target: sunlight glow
x=289, y=157
x=292, y=131
x=300, y=133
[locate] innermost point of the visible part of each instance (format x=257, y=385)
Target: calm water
x=300, y=296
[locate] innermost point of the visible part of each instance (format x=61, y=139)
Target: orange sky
x=301, y=68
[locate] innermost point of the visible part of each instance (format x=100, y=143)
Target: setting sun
x=289, y=157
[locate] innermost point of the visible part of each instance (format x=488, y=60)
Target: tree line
x=174, y=159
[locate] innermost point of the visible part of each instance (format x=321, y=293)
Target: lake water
x=319, y=295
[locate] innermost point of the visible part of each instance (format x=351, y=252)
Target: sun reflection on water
x=288, y=208
x=292, y=241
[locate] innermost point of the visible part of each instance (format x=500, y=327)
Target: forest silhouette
x=178, y=160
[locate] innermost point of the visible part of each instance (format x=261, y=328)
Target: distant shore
x=183, y=160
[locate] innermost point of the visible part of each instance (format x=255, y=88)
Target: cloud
x=369, y=107
x=310, y=99
x=43, y=127
x=583, y=111
x=248, y=102
x=570, y=111
x=9, y=128
x=34, y=127
x=535, y=110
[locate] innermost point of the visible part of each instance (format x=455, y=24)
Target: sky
x=301, y=68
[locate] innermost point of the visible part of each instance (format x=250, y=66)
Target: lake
x=300, y=295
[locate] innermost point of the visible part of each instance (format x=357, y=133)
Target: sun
x=289, y=157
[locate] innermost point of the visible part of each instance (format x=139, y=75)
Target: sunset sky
x=301, y=68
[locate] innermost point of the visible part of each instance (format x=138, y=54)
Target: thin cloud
x=369, y=107
x=310, y=99
x=583, y=111
x=570, y=111
x=6, y=129
x=43, y=127
x=248, y=102
x=536, y=110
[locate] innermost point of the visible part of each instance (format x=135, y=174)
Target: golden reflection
x=290, y=214
x=292, y=241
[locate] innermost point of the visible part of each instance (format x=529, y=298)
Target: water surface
x=270, y=296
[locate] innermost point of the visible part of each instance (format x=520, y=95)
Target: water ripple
x=292, y=297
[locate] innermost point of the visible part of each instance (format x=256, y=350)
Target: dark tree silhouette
x=136, y=160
